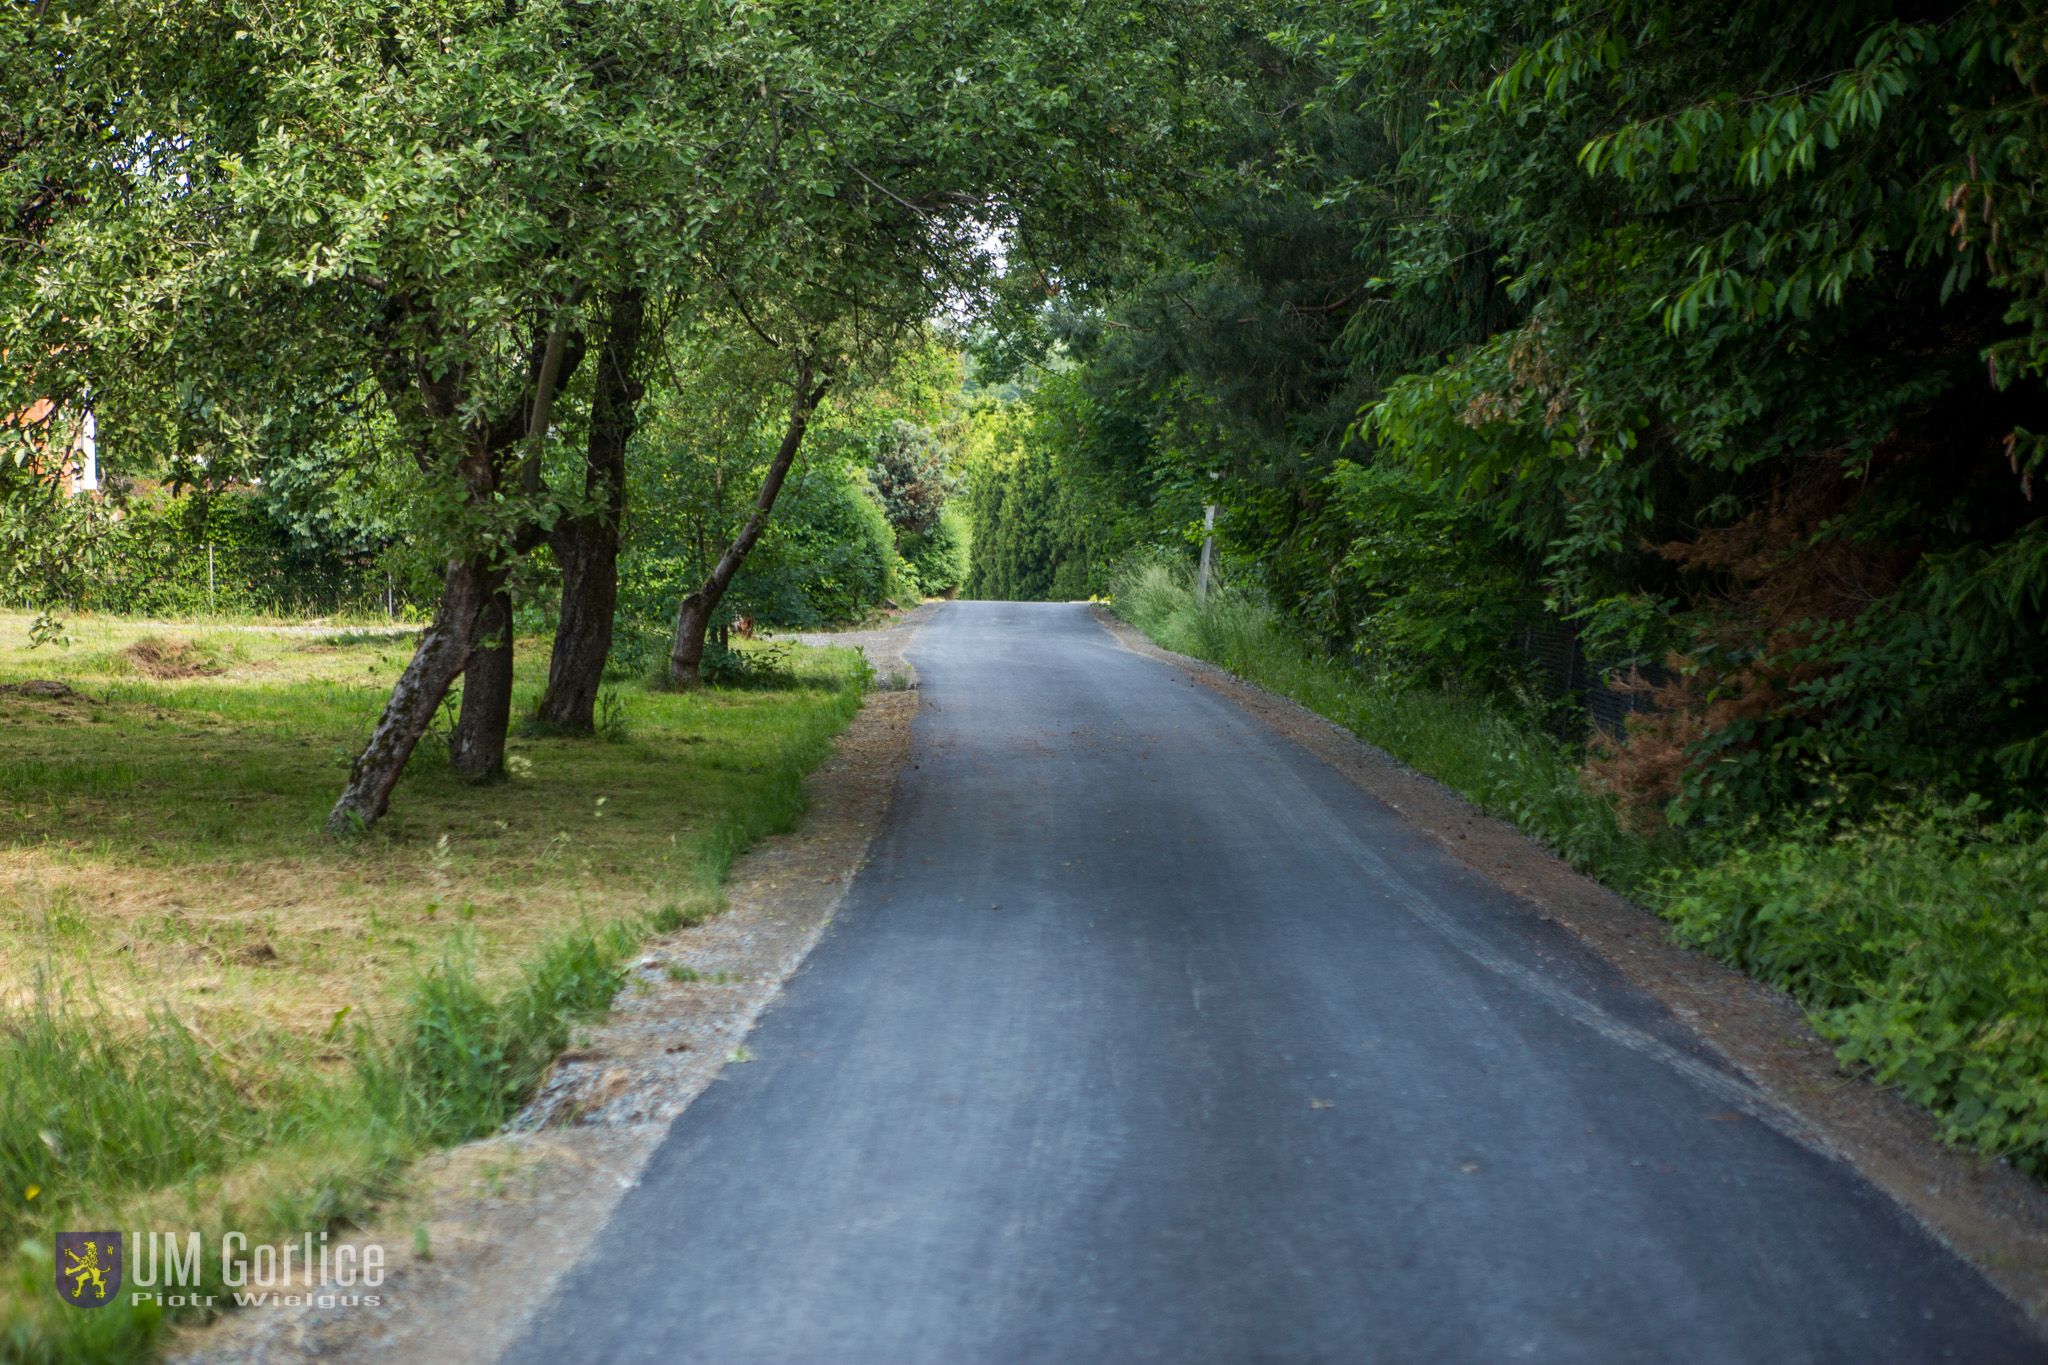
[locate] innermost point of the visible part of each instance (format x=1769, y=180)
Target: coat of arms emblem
x=88, y=1267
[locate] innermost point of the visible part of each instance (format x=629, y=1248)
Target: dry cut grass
x=204, y=999
x=161, y=835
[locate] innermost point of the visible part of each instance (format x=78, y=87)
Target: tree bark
x=587, y=547
x=424, y=398
x=477, y=751
x=693, y=617
x=443, y=653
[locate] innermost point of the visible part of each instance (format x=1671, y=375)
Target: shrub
x=1918, y=942
x=937, y=558
x=826, y=556
x=153, y=561
x=461, y=1061
x=909, y=477
x=90, y=1103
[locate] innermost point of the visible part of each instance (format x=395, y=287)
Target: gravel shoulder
x=483, y=1232
x=1987, y=1212
x=883, y=648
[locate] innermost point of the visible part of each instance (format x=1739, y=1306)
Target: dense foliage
x=1060, y=489
x=910, y=478
x=1768, y=401
x=830, y=553
x=1709, y=335
x=1918, y=942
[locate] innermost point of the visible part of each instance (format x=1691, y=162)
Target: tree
x=915, y=131
x=586, y=544
x=427, y=203
x=910, y=477
x=250, y=205
x=1237, y=346
x=1769, y=405
x=712, y=430
x=693, y=616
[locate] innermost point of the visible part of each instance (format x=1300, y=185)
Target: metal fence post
x=211, y=604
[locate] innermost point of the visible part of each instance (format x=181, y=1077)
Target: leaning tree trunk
x=693, y=617
x=435, y=396
x=443, y=653
x=477, y=750
x=587, y=547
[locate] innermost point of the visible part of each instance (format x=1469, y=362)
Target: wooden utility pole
x=1208, y=552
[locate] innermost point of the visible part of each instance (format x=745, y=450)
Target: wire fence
x=188, y=582
x=1581, y=688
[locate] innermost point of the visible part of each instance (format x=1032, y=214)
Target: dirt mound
x=171, y=659
x=39, y=687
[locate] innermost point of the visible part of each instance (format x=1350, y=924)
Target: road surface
x=1147, y=1037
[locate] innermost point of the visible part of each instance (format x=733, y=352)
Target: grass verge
x=213, y=1018
x=1918, y=943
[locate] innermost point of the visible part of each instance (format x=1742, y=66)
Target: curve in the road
x=1145, y=1036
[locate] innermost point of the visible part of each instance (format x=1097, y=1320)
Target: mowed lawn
x=210, y=1006
x=163, y=834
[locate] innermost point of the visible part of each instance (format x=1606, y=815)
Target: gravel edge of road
x=1987, y=1212
x=506, y=1217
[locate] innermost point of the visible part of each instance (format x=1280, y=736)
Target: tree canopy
x=1708, y=336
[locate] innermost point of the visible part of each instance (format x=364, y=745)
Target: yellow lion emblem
x=85, y=1270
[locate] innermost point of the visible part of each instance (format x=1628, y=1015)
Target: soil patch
x=168, y=659
x=1986, y=1211
x=45, y=688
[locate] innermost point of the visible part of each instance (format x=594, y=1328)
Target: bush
x=1424, y=588
x=639, y=651
x=153, y=561
x=1919, y=944
x=826, y=556
x=937, y=558
x=909, y=477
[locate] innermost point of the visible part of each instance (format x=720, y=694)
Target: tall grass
x=462, y=1059
x=1503, y=763
x=89, y=1103
x=97, y=1116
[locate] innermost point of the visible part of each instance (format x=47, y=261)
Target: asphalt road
x=1145, y=1036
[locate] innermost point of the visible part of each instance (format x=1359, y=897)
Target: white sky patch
x=959, y=309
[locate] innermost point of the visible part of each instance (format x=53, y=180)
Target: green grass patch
x=213, y=1017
